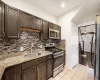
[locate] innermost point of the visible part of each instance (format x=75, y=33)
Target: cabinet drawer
x=49, y=57
x=40, y=60
x=29, y=64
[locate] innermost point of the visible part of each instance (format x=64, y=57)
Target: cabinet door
x=49, y=68
x=1, y=19
x=11, y=22
x=51, y=26
x=12, y=73
x=37, y=23
x=41, y=71
x=56, y=27
x=26, y=20
x=45, y=30
x=29, y=74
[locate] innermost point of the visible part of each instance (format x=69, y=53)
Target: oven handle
x=59, y=56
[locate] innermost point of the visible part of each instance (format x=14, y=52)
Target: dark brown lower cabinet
x=41, y=71
x=29, y=74
x=12, y=73
x=49, y=68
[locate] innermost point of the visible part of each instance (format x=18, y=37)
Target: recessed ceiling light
x=63, y=5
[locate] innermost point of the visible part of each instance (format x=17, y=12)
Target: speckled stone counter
x=7, y=62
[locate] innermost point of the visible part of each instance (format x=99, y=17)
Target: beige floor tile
x=66, y=77
x=63, y=72
x=69, y=74
x=61, y=79
x=79, y=72
x=76, y=78
x=51, y=79
x=57, y=78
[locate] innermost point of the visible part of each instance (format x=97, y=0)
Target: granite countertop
x=11, y=61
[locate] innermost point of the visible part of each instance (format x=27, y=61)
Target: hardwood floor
x=79, y=72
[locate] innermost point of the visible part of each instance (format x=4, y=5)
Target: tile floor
x=79, y=72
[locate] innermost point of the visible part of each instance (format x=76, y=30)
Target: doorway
x=87, y=45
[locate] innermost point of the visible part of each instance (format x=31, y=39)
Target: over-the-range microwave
x=53, y=34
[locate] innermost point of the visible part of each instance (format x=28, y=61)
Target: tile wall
x=26, y=41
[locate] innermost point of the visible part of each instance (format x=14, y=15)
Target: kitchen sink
x=33, y=55
x=29, y=55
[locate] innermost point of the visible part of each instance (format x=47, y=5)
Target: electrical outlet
x=21, y=48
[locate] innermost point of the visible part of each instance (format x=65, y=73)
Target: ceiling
x=53, y=6
x=88, y=12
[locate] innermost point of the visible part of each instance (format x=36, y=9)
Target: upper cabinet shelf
x=87, y=33
x=30, y=30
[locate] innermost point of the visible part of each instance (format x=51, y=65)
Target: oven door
x=58, y=61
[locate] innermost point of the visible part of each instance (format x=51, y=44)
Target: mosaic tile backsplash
x=26, y=41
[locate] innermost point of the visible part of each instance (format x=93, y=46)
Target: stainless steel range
x=58, y=58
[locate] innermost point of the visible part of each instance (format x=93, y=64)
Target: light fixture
x=63, y=5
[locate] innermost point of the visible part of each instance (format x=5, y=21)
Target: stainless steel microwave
x=53, y=34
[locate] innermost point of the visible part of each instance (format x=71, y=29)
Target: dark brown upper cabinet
x=37, y=23
x=45, y=34
x=11, y=22
x=26, y=20
x=51, y=25
x=1, y=19
x=54, y=26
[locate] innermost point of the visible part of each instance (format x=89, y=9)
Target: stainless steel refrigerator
x=97, y=50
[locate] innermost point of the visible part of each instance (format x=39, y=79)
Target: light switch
x=21, y=48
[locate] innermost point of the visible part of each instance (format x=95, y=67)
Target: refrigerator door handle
x=91, y=50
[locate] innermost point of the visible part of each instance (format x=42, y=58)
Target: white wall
x=70, y=36
x=31, y=8
x=74, y=46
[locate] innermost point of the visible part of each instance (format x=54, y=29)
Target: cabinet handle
x=3, y=34
x=37, y=68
